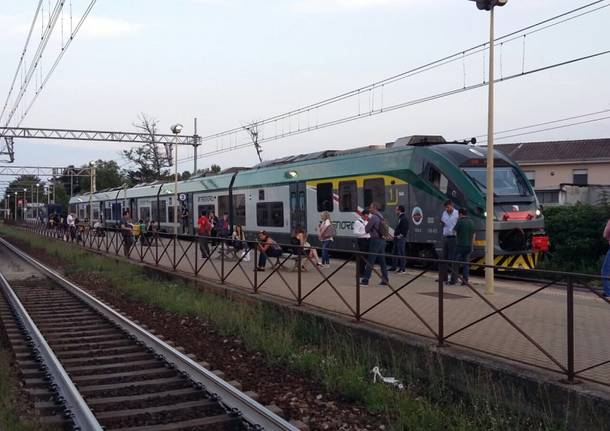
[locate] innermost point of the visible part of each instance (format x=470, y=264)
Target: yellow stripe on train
x=519, y=261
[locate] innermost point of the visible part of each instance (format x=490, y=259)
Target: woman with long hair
x=326, y=234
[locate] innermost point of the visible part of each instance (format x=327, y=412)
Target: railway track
x=103, y=371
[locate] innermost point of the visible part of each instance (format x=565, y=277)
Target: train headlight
x=485, y=214
x=538, y=213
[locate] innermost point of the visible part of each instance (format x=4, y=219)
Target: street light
x=37, y=185
x=176, y=129
x=24, y=203
x=91, y=190
x=489, y=207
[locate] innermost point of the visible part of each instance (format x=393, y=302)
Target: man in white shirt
x=449, y=219
x=71, y=226
x=362, y=238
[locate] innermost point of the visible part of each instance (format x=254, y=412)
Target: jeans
x=127, y=243
x=325, y=255
x=606, y=273
x=271, y=252
x=462, y=254
x=363, y=246
x=399, y=249
x=203, y=246
x=449, y=245
x=376, y=249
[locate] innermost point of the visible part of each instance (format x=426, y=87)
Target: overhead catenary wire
x=57, y=60
x=21, y=58
x=517, y=34
x=404, y=104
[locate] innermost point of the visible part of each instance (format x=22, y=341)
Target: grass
x=321, y=350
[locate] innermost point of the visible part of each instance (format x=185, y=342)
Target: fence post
x=442, y=273
x=255, y=268
x=358, y=260
x=299, y=281
x=222, y=261
x=175, y=240
x=570, y=334
x=196, y=256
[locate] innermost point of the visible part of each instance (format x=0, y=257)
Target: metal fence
x=517, y=325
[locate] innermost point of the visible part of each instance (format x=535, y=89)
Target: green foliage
x=107, y=175
x=576, y=237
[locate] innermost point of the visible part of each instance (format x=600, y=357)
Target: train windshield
x=506, y=181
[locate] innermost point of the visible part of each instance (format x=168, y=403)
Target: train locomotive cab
x=519, y=235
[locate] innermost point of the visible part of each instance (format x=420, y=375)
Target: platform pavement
x=542, y=316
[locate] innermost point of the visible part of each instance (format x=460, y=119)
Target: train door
x=298, y=208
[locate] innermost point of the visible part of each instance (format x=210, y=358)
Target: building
x=565, y=172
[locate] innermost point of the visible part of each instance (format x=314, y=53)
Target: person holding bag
x=326, y=234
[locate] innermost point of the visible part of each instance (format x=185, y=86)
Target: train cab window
x=324, y=195
x=348, y=196
x=437, y=179
x=270, y=214
x=239, y=206
x=374, y=191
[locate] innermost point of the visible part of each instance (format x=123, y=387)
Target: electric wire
x=57, y=60
x=424, y=68
x=22, y=58
x=402, y=105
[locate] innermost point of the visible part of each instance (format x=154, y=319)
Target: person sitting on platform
x=267, y=247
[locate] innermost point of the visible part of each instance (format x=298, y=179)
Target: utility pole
x=176, y=129
x=489, y=206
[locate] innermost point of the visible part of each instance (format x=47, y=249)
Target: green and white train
x=419, y=172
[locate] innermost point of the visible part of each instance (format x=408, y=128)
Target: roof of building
x=558, y=151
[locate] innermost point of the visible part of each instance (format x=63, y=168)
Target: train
x=418, y=172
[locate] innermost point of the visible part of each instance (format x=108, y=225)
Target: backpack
x=384, y=230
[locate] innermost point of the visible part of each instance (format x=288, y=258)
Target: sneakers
x=383, y=283
x=392, y=269
x=401, y=272
x=364, y=282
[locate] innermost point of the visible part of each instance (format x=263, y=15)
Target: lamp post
x=15, y=217
x=37, y=215
x=7, y=205
x=25, y=190
x=176, y=129
x=91, y=190
x=489, y=206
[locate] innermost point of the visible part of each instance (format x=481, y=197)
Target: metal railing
x=184, y=253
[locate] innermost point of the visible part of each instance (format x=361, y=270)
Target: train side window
x=374, y=191
x=223, y=205
x=261, y=195
x=208, y=209
x=270, y=214
x=107, y=214
x=324, y=193
x=239, y=205
x=293, y=200
x=144, y=213
x=348, y=196
x=302, y=200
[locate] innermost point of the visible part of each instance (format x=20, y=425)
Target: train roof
x=303, y=167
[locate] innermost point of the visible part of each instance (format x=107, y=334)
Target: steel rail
x=80, y=413
x=251, y=411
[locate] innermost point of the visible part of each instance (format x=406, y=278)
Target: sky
x=233, y=62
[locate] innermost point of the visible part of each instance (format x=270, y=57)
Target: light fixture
x=538, y=212
x=291, y=174
x=177, y=128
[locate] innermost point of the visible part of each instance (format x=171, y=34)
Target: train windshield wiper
x=478, y=182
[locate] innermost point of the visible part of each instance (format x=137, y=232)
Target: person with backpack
x=378, y=228
x=326, y=234
x=399, y=248
x=267, y=247
x=205, y=227
x=606, y=265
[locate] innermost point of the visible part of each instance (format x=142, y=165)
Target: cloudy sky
x=231, y=62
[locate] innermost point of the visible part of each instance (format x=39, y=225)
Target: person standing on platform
x=377, y=227
x=362, y=239
x=326, y=233
x=606, y=265
x=464, y=230
x=449, y=219
x=127, y=231
x=205, y=227
x=71, y=227
x=399, y=248
x=185, y=219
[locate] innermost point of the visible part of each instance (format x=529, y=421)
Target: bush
x=576, y=237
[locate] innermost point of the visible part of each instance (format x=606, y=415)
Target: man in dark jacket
x=376, y=246
x=464, y=243
x=400, y=241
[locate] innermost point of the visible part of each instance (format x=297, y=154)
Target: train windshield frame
x=507, y=181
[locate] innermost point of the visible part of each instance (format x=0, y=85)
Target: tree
x=212, y=170
x=16, y=189
x=149, y=158
x=107, y=175
x=185, y=175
